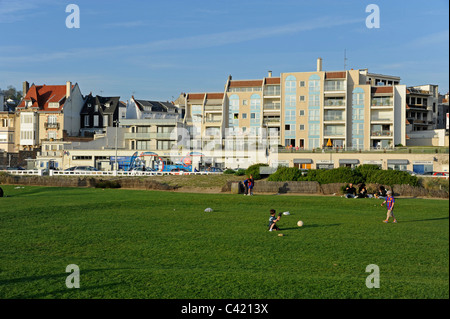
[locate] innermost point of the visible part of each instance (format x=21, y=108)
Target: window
x=290, y=115
x=287, y=127
x=314, y=86
x=52, y=119
x=244, y=116
x=301, y=84
x=314, y=130
x=52, y=135
x=358, y=114
x=314, y=100
x=95, y=120
x=236, y=116
x=290, y=100
x=302, y=112
x=290, y=84
x=357, y=129
x=105, y=120
x=314, y=115
x=86, y=121
x=302, y=98
x=244, y=102
x=252, y=115
x=302, y=127
x=143, y=145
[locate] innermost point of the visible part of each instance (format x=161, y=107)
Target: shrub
x=254, y=170
x=107, y=184
x=336, y=175
x=286, y=174
x=366, y=169
x=240, y=172
x=391, y=178
x=229, y=171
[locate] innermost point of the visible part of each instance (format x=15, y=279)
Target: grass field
x=149, y=244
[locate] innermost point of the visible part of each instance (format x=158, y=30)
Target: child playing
x=390, y=201
x=273, y=220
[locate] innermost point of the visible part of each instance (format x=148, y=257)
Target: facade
x=151, y=125
x=442, y=118
x=47, y=112
x=421, y=108
x=7, y=129
x=98, y=113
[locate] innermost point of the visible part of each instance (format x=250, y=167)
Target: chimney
x=25, y=88
x=319, y=64
x=68, y=88
x=270, y=74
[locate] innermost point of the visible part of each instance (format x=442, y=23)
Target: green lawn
x=148, y=244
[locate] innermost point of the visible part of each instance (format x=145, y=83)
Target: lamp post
x=116, y=122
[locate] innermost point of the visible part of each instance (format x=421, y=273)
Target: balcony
x=335, y=86
x=382, y=134
x=146, y=136
x=389, y=103
x=381, y=120
x=334, y=103
x=272, y=92
x=334, y=118
x=213, y=108
x=272, y=107
x=48, y=125
x=333, y=133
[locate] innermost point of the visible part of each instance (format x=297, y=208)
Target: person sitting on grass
x=381, y=192
x=350, y=191
x=390, y=201
x=273, y=220
x=362, y=191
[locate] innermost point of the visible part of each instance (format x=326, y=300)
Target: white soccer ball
x=208, y=210
x=286, y=213
x=299, y=223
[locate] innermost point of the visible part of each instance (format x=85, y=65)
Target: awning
x=302, y=161
x=348, y=161
x=397, y=162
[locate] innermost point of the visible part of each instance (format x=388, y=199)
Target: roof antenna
x=345, y=59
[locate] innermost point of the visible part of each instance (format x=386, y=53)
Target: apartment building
x=351, y=109
x=422, y=107
x=151, y=125
x=47, y=112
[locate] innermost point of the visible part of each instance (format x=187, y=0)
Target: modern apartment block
x=421, y=107
x=151, y=125
x=351, y=109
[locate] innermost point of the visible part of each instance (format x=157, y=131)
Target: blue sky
x=157, y=49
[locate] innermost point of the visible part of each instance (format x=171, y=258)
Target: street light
x=115, y=159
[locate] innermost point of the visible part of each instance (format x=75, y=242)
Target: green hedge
x=369, y=174
x=254, y=170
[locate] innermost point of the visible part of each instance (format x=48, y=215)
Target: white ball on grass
x=299, y=223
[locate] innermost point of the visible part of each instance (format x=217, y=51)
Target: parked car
x=81, y=169
x=427, y=173
x=179, y=170
x=441, y=174
x=17, y=168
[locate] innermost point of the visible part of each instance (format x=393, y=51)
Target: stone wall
x=261, y=187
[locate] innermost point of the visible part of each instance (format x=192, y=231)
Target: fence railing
x=125, y=173
x=35, y=172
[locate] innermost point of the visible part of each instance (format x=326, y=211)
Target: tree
x=12, y=93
